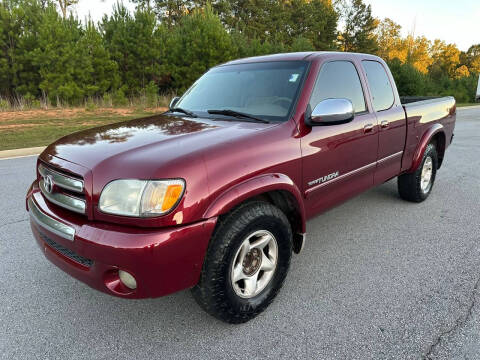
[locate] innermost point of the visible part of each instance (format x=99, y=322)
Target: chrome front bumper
x=50, y=223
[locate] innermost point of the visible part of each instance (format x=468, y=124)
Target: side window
x=339, y=79
x=382, y=92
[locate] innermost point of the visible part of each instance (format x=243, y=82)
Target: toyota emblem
x=48, y=183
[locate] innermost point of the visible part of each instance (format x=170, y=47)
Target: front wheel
x=246, y=263
x=418, y=185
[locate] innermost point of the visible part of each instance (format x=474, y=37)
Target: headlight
x=141, y=198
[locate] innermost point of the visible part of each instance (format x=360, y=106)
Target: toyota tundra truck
x=215, y=194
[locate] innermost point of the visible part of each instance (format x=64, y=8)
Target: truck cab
x=215, y=194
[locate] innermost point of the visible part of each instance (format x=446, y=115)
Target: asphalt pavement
x=379, y=278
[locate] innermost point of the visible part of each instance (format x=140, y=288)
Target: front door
x=339, y=160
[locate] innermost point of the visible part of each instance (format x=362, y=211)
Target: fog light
x=127, y=279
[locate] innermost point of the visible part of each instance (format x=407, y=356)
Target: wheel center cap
x=252, y=261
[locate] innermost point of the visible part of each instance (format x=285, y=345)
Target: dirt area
x=16, y=126
x=16, y=116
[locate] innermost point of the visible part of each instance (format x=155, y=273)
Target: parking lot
x=379, y=278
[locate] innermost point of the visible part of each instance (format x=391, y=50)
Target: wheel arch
x=435, y=134
x=277, y=189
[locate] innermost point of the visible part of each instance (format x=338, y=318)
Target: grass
x=21, y=129
x=33, y=127
x=467, y=104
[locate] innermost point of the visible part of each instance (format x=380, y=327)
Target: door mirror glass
x=332, y=111
x=173, y=102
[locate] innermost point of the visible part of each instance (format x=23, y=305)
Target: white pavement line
x=17, y=153
x=18, y=157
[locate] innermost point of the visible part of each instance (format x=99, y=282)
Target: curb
x=468, y=107
x=16, y=153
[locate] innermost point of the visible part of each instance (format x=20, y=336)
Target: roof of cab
x=297, y=56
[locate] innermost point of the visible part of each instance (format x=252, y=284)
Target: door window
x=382, y=92
x=339, y=80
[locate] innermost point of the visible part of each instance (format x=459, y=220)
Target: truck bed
x=423, y=112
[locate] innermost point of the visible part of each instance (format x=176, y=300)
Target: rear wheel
x=246, y=263
x=418, y=185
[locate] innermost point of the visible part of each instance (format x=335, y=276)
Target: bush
x=107, y=100
x=119, y=97
x=410, y=81
x=151, y=94
x=4, y=104
x=302, y=44
x=90, y=105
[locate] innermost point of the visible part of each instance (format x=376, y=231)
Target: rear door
x=391, y=120
x=339, y=160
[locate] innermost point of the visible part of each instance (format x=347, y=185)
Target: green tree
x=389, y=40
x=409, y=80
x=100, y=72
x=473, y=59
x=302, y=44
x=19, y=23
x=58, y=59
x=359, y=32
x=65, y=4
x=270, y=21
x=461, y=72
x=446, y=58
x=418, y=53
x=196, y=44
x=315, y=21
x=136, y=44
x=244, y=47
x=170, y=12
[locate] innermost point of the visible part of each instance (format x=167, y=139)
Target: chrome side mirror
x=173, y=102
x=332, y=111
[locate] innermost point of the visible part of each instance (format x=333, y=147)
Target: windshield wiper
x=237, y=114
x=186, y=112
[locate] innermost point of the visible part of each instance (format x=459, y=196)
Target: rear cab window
x=380, y=86
x=339, y=79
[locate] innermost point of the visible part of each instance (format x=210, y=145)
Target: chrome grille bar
x=50, y=223
x=63, y=200
x=62, y=180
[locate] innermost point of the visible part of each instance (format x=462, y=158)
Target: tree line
x=47, y=54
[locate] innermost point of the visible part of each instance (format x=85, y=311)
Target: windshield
x=266, y=90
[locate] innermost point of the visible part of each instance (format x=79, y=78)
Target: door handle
x=384, y=124
x=368, y=128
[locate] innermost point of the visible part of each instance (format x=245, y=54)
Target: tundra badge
x=323, y=179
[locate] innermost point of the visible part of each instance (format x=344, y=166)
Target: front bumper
x=161, y=260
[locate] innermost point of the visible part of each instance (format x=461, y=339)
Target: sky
x=453, y=21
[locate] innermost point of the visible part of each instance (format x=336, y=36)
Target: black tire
x=215, y=291
x=410, y=185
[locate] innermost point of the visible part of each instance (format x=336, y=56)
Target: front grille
x=62, y=189
x=66, y=252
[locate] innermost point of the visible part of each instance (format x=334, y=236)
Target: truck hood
x=147, y=142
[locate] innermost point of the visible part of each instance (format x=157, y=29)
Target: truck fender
x=256, y=186
x=426, y=139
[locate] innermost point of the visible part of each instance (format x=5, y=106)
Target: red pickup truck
x=214, y=194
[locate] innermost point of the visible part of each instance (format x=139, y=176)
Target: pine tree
x=196, y=44
x=136, y=44
x=64, y=5
x=358, y=34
